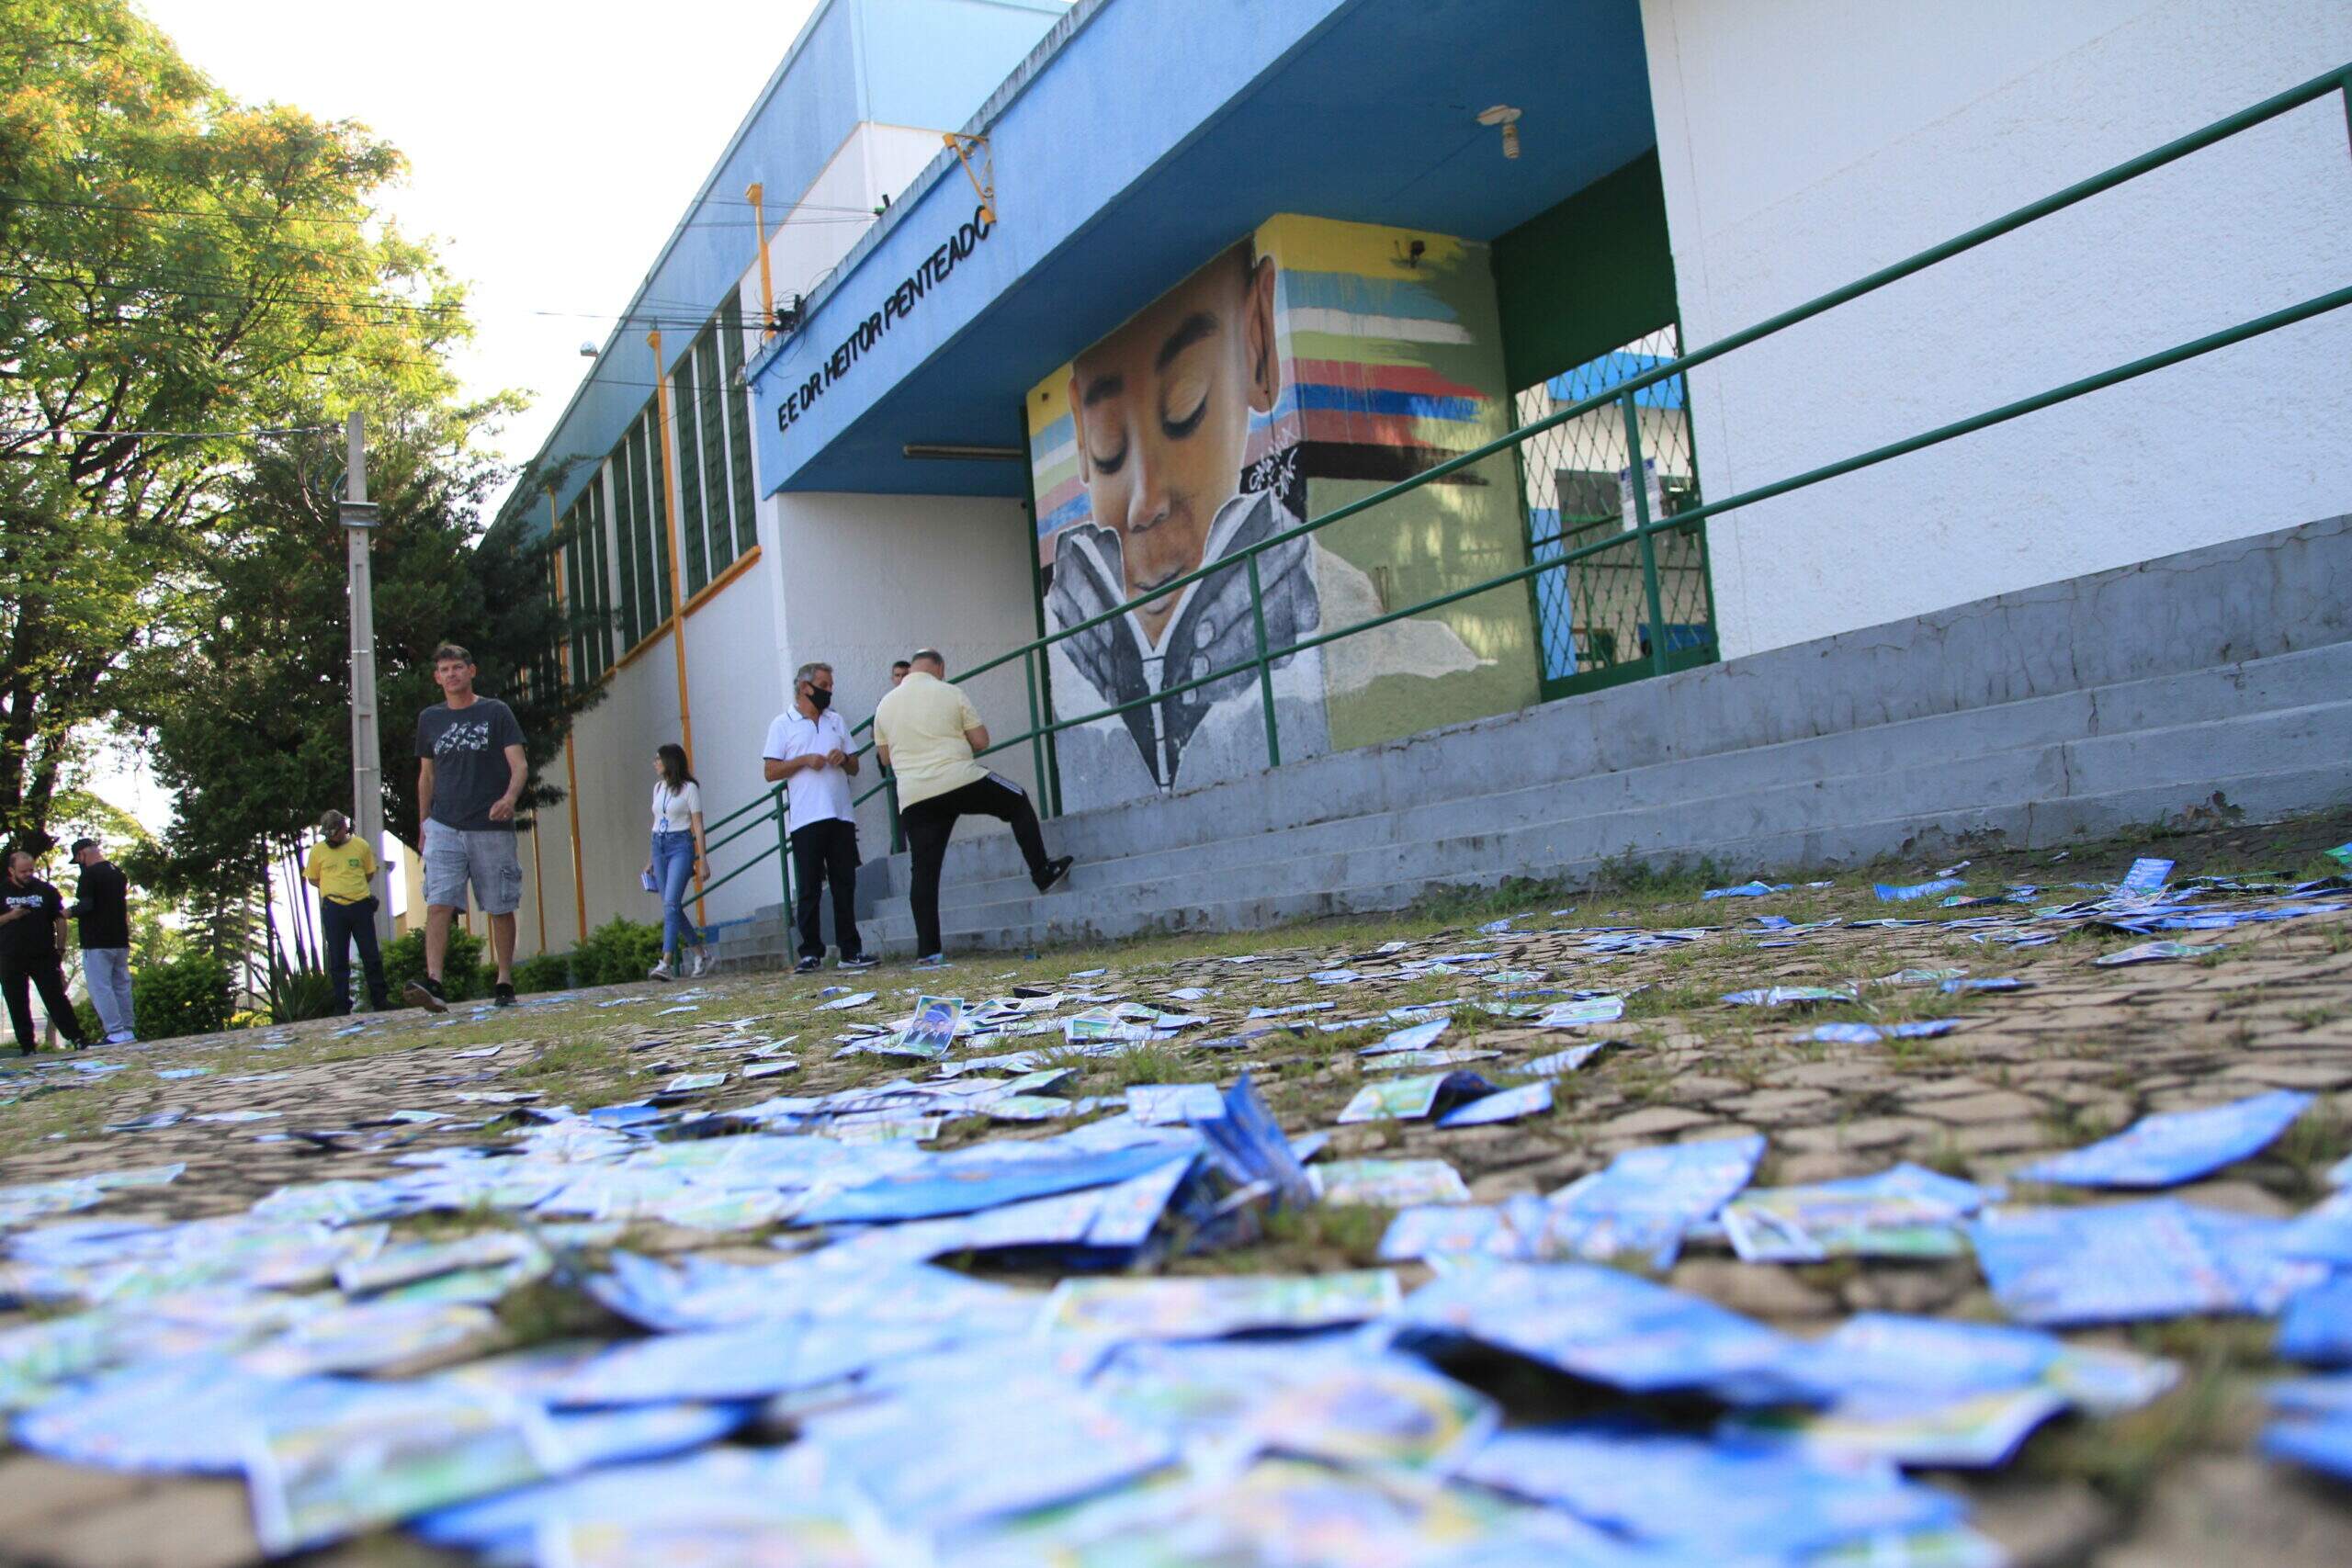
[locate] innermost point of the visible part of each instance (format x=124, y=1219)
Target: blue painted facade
x=915, y=63
x=1128, y=148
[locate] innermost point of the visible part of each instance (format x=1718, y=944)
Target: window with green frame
x=651, y=533
x=599, y=568
x=624, y=531
x=739, y=424
x=717, y=527
x=710, y=437
x=694, y=557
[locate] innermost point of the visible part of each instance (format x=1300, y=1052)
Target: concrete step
x=986, y=868
x=1862, y=808
x=989, y=871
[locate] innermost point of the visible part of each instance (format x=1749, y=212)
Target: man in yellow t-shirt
x=343, y=871
x=928, y=735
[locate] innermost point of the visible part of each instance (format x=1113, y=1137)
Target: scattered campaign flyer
x=1388, y=1183
x=1392, y=1412
x=1690, y=1500
x=2145, y=879
x=1891, y=894
x=1606, y=1327
x=2322, y=1233
x=2153, y=953
x=1974, y=1431
x=1908, y=1212
x=2324, y=1446
x=1413, y=1037
x=2175, y=1146
x=1449, y=1057
x=2158, y=1257
x=1581, y=1014
x=1172, y=1105
x=2316, y=1325
x=1561, y=1063
x=1789, y=996
x=1503, y=1105
x=1413, y=1099
x=843, y=1004
x=383, y=1461
x=1206, y=1307
x=931, y=1032
x=1645, y=1199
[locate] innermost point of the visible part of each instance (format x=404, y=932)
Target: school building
x=1361, y=445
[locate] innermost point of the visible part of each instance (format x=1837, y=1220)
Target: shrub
x=461, y=976
x=616, y=952
x=549, y=972
x=189, y=995
x=298, y=991
x=87, y=1016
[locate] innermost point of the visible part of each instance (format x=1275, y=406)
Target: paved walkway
x=2076, y=1052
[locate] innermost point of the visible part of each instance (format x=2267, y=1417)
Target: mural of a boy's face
x=1161, y=409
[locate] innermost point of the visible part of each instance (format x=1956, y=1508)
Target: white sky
x=553, y=145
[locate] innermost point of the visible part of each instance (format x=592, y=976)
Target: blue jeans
x=673, y=871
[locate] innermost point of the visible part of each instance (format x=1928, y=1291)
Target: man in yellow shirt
x=343, y=871
x=928, y=735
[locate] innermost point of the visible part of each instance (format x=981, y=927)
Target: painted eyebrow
x=1103, y=386
x=1198, y=326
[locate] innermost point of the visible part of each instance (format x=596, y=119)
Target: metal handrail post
x=784, y=848
x=1640, y=481
x=1036, y=727
x=1265, y=670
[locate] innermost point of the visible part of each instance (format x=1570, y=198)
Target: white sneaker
x=661, y=970
x=701, y=963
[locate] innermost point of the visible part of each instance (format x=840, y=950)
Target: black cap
x=81, y=844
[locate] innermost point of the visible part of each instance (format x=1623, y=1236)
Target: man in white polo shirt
x=927, y=733
x=809, y=747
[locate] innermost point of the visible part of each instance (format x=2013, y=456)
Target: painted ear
x=1265, y=365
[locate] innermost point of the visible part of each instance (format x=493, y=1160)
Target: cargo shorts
x=487, y=859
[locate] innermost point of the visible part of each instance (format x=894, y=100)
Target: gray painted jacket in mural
x=1212, y=629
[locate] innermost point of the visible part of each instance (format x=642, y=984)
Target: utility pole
x=367, y=764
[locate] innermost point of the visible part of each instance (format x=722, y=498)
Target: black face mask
x=819, y=698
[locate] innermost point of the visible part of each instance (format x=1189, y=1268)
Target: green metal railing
x=1041, y=730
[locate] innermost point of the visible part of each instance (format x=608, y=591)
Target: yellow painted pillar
x=677, y=578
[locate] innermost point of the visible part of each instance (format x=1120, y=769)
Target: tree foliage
x=251, y=729
x=176, y=271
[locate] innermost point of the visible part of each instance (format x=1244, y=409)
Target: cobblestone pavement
x=2077, y=1053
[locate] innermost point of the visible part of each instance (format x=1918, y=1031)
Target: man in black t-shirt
x=32, y=927
x=102, y=908
x=470, y=771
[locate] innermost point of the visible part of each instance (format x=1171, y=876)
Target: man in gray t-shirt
x=470, y=771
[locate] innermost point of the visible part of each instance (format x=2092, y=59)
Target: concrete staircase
x=2219, y=681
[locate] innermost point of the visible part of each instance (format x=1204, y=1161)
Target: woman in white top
x=678, y=855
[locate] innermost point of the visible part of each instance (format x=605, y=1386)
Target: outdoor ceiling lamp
x=948, y=451
x=1507, y=118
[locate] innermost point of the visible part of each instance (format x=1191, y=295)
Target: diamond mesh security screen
x=1593, y=615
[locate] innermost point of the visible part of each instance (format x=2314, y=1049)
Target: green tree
x=177, y=271
x=250, y=726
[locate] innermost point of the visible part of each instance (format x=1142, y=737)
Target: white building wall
x=737, y=686
x=739, y=649
x=1807, y=142
x=869, y=578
